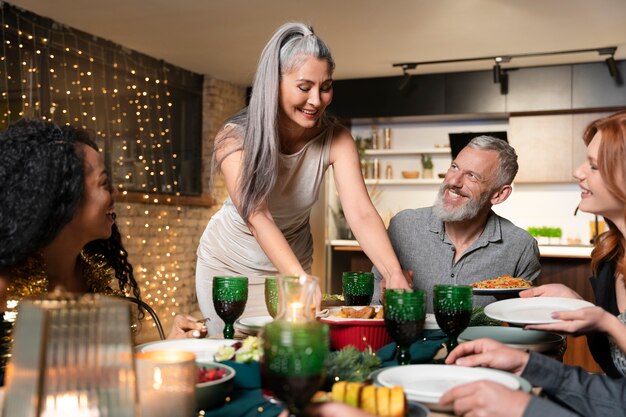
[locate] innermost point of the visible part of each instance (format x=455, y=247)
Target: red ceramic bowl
x=360, y=333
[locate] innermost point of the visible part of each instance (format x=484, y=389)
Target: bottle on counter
x=387, y=138
x=374, y=137
x=376, y=169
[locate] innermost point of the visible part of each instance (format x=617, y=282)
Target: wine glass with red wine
x=405, y=312
x=230, y=295
x=453, y=310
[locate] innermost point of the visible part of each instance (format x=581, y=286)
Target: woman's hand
x=550, y=290
x=186, y=326
x=577, y=322
x=485, y=398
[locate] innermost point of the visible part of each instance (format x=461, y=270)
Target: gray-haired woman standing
x=273, y=156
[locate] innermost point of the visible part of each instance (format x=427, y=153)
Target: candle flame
x=157, y=379
x=296, y=311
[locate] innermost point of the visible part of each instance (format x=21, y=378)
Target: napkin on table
x=422, y=351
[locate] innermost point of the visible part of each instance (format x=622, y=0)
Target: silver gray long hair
x=507, y=168
x=287, y=50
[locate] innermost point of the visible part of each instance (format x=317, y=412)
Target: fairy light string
x=107, y=90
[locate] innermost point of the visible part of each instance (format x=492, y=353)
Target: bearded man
x=460, y=240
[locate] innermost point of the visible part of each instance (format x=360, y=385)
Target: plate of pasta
x=502, y=285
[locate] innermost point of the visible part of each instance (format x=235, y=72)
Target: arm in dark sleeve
x=586, y=394
x=541, y=407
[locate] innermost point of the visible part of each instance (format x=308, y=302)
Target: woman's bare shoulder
x=228, y=140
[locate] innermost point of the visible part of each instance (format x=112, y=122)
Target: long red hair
x=610, y=245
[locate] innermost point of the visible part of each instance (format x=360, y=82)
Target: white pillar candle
x=166, y=382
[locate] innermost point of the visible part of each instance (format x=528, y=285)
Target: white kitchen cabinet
x=544, y=147
x=549, y=147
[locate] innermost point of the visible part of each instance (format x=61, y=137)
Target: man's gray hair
x=507, y=169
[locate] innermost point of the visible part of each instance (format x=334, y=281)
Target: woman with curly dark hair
x=57, y=220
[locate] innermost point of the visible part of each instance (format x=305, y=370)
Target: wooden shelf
x=400, y=181
x=415, y=151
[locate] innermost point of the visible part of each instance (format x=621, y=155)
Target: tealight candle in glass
x=166, y=382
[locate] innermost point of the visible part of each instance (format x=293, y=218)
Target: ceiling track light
x=406, y=76
x=497, y=73
x=499, y=59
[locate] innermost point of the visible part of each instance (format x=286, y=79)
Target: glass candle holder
x=166, y=382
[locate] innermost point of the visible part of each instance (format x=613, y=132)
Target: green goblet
x=271, y=296
x=358, y=288
x=230, y=295
x=293, y=363
x=405, y=312
x=453, y=310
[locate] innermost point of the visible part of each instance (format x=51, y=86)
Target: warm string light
x=127, y=106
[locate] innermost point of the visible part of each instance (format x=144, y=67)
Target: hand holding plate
x=486, y=398
x=550, y=290
x=577, y=322
x=489, y=354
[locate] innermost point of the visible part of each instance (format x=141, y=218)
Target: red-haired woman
x=602, y=179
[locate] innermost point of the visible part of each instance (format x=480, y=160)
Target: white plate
x=498, y=291
x=535, y=310
x=252, y=325
x=515, y=337
x=204, y=349
x=427, y=383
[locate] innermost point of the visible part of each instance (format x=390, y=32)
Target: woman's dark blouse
x=604, y=289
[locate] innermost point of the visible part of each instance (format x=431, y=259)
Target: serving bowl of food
x=362, y=327
x=213, y=384
x=501, y=286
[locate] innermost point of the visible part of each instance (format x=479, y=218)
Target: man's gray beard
x=466, y=212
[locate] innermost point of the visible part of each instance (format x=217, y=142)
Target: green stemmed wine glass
x=293, y=364
x=271, y=296
x=453, y=310
x=230, y=295
x=405, y=312
x=358, y=288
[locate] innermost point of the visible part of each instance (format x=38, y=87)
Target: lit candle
x=296, y=311
x=166, y=383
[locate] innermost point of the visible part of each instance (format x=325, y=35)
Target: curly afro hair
x=41, y=184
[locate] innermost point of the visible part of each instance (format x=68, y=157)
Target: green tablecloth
x=246, y=399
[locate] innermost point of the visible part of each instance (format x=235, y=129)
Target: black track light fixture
x=497, y=73
x=406, y=76
x=500, y=59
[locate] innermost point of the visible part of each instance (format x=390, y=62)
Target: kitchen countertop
x=546, y=251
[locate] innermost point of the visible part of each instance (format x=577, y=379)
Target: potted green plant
x=427, y=165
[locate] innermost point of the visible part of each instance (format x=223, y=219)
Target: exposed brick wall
x=148, y=247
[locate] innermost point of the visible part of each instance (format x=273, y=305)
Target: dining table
x=246, y=399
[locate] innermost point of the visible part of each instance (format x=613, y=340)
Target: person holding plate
x=602, y=180
x=571, y=391
x=460, y=240
x=273, y=156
